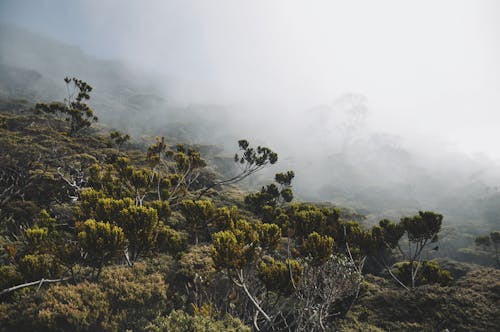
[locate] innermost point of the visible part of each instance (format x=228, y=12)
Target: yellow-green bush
x=179, y=321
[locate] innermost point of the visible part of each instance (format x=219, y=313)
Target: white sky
x=425, y=67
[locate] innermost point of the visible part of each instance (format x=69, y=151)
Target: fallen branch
x=38, y=282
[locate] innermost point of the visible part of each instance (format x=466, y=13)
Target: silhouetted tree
x=250, y=160
x=73, y=109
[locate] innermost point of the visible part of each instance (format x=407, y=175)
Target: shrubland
x=101, y=233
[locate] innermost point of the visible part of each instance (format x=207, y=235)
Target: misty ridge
x=225, y=166
x=336, y=151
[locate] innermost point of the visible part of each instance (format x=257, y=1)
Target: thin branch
x=38, y=282
x=243, y=285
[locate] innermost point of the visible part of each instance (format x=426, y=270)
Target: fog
x=381, y=105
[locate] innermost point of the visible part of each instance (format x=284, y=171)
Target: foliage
x=175, y=170
x=318, y=247
x=250, y=160
x=74, y=109
x=197, y=263
x=421, y=232
x=75, y=308
x=228, y=253
x=279, y=276
x=269, y=236
x=101, y=243
x=34, y=267
x=9, y=276
x=467, y=306
x=199, y=214
x=124, y=298
x=127, y=242
x=134, y=296
x=119, y=138
x=272, y=196
x=140, y=226
x=430, y=273
x=171, y=241
x=179, y=321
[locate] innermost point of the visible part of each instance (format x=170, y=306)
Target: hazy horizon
x=426, y=70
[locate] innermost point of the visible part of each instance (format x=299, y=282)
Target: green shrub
x=429, y=273
x=468, y=306
x=134, y=297
x=9, y=276
x=82, y=307
x=35, y=267
x=179, y=321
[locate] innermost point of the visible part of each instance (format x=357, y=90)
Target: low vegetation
x=97, y=233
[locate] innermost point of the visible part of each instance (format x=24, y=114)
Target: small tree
x=118, y=138
x=431, y=273
x=421, y=232
x=176, y=170
x=73, y=109
x=198, y=215
x=272, y=195
x=250, y=160
x=101, y=242
x=318, y=248
x=320, y=291
x=140, y=226
x=234, y=251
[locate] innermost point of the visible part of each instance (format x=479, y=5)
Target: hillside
x=103, y=232
x=336, y=155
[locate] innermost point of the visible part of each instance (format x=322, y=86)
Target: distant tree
x=250, y=160
x=272, y=195
x=119, y=138
x=73, y=109
x=421, y=233
x=138, y=181
x=491, y=244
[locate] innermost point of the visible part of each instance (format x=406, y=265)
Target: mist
x=385, y=106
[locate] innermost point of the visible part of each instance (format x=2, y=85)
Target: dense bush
x=124, y=298
x=431, y=273
x=179, y=321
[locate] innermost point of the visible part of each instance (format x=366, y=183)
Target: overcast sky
x=426, y=68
